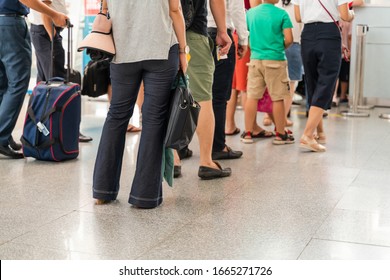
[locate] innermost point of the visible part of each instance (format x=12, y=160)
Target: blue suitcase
x=52, y=123
x=51, y=127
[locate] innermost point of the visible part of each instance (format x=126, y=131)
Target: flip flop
x=132, y=128
x=236, y=131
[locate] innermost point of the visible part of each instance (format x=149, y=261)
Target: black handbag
x=96, y=74
x=183, y=115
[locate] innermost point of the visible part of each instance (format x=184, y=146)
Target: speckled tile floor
x=280, y=202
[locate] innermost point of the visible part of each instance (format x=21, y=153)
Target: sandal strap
x=285, y=136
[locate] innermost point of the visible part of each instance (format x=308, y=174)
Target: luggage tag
x=42, y=128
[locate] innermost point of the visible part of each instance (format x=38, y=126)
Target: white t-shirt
x=297, y=26
x=58, y=5
x=235, y=19
x=312, y=11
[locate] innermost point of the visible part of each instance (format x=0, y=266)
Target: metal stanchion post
x=361, y=31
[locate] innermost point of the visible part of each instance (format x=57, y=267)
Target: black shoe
x=184, y=153
x=15, y=146
x=83, y=138
x=9, y=152
x=229, y=154
x=176, y=171
x=208, y=173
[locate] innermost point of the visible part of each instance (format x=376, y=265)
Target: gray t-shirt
x=142, y=29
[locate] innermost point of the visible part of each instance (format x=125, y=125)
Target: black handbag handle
x=181, y=75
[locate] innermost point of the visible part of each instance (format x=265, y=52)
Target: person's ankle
x=307, y=137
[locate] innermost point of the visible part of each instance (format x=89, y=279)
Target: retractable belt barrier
x=357, y=102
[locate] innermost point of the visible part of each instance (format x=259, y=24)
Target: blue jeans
x=126, y=78
x=15, y=70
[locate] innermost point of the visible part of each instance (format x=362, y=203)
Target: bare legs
x=314, y=122
x=288, y=101
x=205, y=132
x=231, y=126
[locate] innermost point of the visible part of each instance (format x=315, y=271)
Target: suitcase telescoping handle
x=69, y=63
x=70, y=50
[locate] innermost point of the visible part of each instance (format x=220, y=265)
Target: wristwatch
x=185, y=50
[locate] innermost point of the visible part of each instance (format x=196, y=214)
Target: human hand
x=241, y=51
x=346, y=53
x=224, y=42
x=60, y=19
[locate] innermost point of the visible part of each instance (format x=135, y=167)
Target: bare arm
x=237, y=12
x=59, y=19
x=47, y=22
x=345, y=13
x=358, y=3
x=178, y=25
x=288, y=37
x=218, y=9
x=297, y=13
x=255, y=3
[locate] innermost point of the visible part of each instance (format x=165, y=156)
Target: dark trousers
x=42, y=46
x=126, y=79
x=222, y=88
x=321, y=53
x=15, y=69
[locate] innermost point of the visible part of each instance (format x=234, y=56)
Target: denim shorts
x=294, y=62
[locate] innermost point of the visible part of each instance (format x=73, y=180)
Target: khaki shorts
x=272, y=74
x=201, y=66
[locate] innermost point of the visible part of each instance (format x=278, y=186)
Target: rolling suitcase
x=52, y=123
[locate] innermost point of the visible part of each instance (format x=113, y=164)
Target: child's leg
x=282, y=136
x=250, y=113
x=279, y=115
x=289, y=100
x=256, y=127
